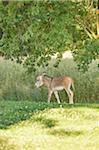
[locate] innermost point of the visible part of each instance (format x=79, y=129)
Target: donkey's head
x=39, y=80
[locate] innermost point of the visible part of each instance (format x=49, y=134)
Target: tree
x=35, y=30
x=89, y=23
x=97, y=19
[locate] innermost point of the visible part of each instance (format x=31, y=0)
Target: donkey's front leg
x=57, y=97
x=49, y=95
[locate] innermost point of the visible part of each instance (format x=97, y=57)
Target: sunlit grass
x=39, y=126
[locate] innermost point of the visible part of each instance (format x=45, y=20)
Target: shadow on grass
x=12, y=112
x=46, y=122
x=63, y=132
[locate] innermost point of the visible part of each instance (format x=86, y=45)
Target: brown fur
x=55, y=84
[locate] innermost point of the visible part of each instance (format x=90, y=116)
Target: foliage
x=13, y=85
x=38, y=29
x=87, y=54
x=16, y=84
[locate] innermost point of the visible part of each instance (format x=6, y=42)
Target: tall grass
x=15, y=84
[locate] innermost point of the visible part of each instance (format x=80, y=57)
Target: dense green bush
x=12, y=82
x=16, y=84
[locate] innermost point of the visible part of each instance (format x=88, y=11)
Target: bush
x=12, y=83
x=15, y=84
x=86, y=84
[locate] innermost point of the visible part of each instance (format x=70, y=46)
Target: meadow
x=31, y=32
x=27, y=122
x=29, y=125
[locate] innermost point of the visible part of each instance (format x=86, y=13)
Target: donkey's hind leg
x=70, y=95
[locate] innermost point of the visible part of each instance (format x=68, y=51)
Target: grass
x=29, y=125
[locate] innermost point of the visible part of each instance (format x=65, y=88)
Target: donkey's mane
x=48, y=76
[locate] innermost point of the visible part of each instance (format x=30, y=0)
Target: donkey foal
x=56, y=84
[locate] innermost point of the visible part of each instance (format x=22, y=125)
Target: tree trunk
x=97, y=12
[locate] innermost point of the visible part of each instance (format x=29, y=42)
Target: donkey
x=55, y=84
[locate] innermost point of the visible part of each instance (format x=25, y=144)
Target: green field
x=28, y=125
x=60, y=38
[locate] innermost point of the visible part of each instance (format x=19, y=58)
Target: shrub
x=15, y=84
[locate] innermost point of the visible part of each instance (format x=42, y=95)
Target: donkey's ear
x=44, y=74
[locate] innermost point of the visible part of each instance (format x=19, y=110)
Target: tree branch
x=89, y=32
